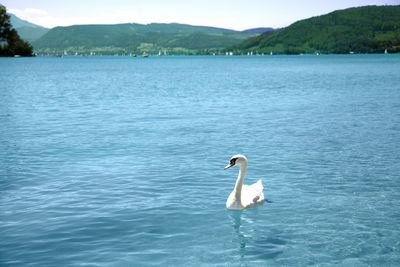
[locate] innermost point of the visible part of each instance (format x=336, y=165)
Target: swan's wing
x=252, y=194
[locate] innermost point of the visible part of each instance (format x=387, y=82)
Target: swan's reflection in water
x=243, y=234
x=254, y=239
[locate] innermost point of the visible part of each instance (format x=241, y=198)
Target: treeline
x=137, y=38
x=370, y=29
x=10, y=42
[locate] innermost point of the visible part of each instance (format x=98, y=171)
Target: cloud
x=28, y=12
x=35, y=11
x=35, y=15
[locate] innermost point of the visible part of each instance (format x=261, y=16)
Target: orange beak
x=229, y=165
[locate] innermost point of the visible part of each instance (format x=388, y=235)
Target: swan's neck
x=240, y=180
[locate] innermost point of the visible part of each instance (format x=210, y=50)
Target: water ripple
x=110, y=161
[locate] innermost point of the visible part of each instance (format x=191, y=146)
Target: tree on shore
x=10, y=42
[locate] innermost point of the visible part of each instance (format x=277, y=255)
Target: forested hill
x=369, y=29
x=138, y=38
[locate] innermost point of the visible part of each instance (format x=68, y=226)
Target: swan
x=244, y=196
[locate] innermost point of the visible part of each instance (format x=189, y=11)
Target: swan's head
x=236, y=160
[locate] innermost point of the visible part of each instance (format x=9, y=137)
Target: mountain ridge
x=171, y=38
x=198, y=39
x=18, y=22
x=27, y=30
x=368, y=29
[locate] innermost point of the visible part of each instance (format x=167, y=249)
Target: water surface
x=118, y=161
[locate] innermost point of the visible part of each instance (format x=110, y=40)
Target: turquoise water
x=117, y=161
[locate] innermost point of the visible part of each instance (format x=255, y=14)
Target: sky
x=230, y=14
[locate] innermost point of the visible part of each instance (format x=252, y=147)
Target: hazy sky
x=231, y=14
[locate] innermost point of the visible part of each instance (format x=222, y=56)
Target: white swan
x=244, y=196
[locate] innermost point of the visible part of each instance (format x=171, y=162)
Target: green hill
x=26, y=30
x=369, y=29
x=137, y=38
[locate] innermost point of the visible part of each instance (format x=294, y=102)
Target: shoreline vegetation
x=360, y=30
x=11, y=44
x=212, y=56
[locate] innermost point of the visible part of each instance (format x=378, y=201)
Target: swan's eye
x=233, y=161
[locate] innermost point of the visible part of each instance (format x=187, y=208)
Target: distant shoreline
x=208, y=56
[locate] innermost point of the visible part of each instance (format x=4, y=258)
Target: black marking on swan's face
x=231, y=163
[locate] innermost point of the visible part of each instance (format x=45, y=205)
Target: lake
x=119, y=161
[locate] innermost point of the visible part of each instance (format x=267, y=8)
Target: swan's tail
x=260, y=185
x=260, y=189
